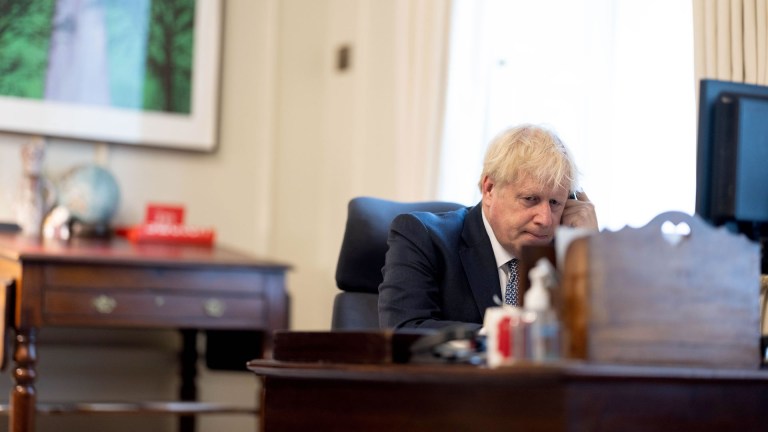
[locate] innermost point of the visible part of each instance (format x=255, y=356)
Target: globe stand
x=81, y=229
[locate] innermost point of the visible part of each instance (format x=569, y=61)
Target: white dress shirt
x=501, y=255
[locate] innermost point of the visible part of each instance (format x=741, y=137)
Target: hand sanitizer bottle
x=544, y=335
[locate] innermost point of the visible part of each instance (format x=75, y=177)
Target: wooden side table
x=117, y=284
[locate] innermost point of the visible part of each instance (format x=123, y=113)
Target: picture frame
x=195, y=129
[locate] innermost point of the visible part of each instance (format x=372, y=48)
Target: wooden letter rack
x=674, y=292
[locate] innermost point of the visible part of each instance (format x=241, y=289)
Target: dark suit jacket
x=439, y=271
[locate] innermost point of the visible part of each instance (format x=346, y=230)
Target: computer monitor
x=732, y=158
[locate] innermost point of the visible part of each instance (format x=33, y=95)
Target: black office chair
x=358, y=270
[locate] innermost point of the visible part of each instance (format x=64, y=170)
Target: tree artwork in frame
x=141, y=72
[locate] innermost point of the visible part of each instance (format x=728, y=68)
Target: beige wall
x=334, y=135
x=297, y=140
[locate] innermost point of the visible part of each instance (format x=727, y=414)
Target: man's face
x=524, y=212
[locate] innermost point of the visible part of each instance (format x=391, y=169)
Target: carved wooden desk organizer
x=663, y=294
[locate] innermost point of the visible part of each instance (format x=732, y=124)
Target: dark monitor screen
x=732, y=154
x=732, y=159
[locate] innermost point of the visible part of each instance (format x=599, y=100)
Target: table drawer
x=84, y=307
x=191, y=279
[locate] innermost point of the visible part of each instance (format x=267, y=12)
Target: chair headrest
x=365, y=239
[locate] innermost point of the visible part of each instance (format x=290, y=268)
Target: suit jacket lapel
x=478, y=260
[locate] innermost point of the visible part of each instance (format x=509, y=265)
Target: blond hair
x=530, y=150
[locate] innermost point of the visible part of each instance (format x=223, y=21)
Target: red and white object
x=164, y=223
x=165, y=233
x=164, y=214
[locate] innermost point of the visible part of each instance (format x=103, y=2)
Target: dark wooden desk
x=113, y=283
x=571, y=397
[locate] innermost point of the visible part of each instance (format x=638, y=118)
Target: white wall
x=298, y=139
x=335, y=136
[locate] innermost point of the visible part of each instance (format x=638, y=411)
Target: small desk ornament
x=36, y=193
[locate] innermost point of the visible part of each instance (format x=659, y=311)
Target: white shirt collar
x=501, y=254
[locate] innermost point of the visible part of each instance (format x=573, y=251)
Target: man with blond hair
x=444, y=269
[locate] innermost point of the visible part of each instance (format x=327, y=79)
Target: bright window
x=613, y=77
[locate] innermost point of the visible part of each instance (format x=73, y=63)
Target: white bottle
x=544, y=334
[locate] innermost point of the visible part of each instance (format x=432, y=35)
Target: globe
x=90, y=193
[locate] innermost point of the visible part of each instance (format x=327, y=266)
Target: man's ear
x=488, y=185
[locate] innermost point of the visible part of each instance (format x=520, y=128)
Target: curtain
x=730, y=40
x=468, y=86
x=420, y=57
x=618, y=91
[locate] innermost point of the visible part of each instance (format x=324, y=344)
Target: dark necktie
x=510, y=293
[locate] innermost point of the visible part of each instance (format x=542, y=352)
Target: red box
x=166, y=214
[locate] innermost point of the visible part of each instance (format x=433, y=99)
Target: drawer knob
x=104, y=304
x=214, y=308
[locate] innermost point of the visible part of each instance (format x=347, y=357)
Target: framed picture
x=142, y=72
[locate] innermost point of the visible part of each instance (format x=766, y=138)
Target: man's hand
x=579, y=213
